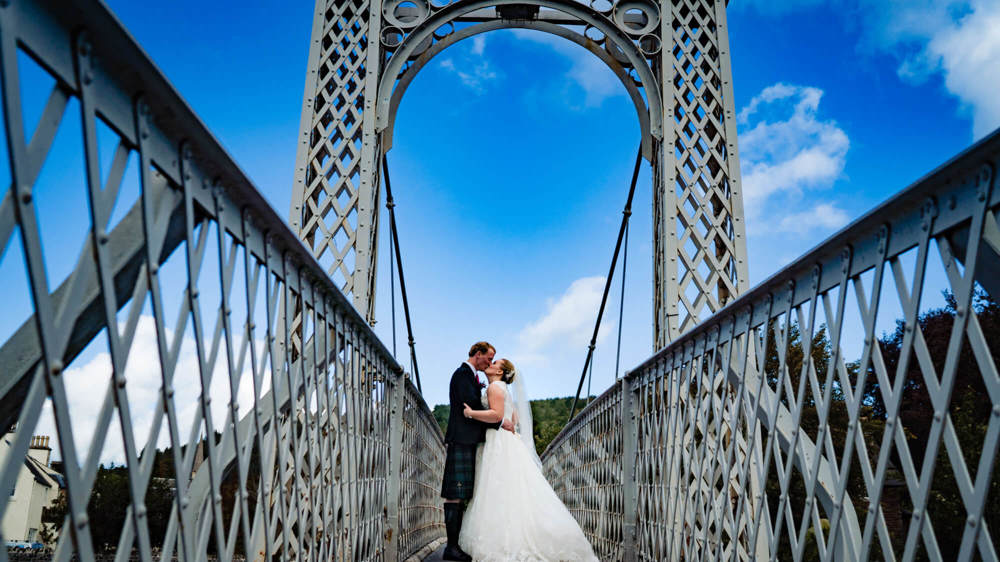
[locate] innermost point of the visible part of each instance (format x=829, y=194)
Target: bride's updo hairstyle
x=507, y=370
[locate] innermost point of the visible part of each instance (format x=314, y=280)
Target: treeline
x=110, y=499
x=548, y=417
x=970, y=412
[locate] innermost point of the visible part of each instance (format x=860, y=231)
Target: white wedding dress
x=515, y=516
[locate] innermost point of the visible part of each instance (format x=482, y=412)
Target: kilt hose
x=459, y=471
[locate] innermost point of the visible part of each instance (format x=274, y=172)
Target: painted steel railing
x=421, y=510
x=840, y=410
x=308, y=465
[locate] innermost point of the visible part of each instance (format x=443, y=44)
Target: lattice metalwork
x=699, y=246
x=335, y=194
x=422, y=513
x=584, y=466
x=264, y=438
x=840, y=411
x=672, y=59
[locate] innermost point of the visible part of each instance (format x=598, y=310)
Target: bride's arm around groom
x=492, y=415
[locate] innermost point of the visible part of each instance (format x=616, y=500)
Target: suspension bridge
x=772, y=422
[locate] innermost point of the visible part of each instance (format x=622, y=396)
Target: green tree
x=441, y=412
x=109, y=500
x=969, y=409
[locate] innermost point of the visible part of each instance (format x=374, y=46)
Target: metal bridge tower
x=671, y=56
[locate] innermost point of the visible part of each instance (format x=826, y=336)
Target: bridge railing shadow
x=211, y=394
x=845, y=408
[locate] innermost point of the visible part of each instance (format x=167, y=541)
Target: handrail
x=905, y=207
x=710, y=428
x=304, y=469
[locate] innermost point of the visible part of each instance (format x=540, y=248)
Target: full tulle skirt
x=515, y=516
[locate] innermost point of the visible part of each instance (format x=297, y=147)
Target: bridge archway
x=487, y=127
x=644, y=114
x=672, y=58
x=626, y=57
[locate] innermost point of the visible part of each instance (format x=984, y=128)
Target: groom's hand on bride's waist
x=508, y=425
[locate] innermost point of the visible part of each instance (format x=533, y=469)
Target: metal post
x=336, y=171
x=630, y=447
x=394, y=523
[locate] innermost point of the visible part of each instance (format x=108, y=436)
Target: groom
x=462, y=438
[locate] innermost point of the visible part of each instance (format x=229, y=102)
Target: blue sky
x=513, y=152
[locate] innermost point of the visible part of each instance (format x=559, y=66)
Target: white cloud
x=772, y=7
x=823, y=215
x=563, y=332
x=769, y=94
x=958, y=39
x=87, y=386
x=792, y=152
x=478, y=44
x=474, y=74
x=594, y=77
x=966, y=50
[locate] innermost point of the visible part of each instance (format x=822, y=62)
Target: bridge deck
x=731, y=442
x=436, y=555
x=432, y=552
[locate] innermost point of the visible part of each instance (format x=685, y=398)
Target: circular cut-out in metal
x=636, y=17
x=405, y=14
x=616, y=52
x=594, y=34
x=602, y=6
x=421, y=47
x=391, y=37
x=635, y=77
x=444, y=31
x=439, y=3
x=650, y=44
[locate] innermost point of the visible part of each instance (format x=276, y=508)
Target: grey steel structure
x=673, y=59
x=699, y=453
x=316, y=465
x=659, y=468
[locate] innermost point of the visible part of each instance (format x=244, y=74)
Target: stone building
x=37, y=485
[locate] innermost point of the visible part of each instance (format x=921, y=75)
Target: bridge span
x=825, y=414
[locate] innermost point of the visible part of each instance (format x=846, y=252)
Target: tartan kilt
x=459, y=471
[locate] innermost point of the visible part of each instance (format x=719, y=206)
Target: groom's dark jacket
x=465, y=389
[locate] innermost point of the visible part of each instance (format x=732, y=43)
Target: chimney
x=199, y=457
x=39, y=449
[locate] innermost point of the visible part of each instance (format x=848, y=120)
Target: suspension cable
x=621, y=305
x=392, y=288
x=626, y=213
x=590, y=379
x=391, y=205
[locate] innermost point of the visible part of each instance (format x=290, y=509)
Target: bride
x=514, y=514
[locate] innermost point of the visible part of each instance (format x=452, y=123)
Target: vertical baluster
x=630, y=443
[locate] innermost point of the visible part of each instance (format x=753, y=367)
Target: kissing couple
x=498, y=506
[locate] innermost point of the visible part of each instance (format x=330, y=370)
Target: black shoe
x=453, y=552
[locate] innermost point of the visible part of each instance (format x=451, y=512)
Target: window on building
x=32, y=533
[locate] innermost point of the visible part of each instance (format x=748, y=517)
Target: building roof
x=44, y=475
